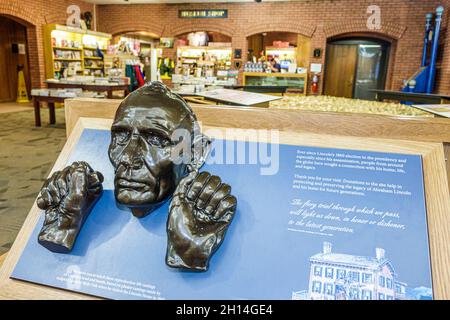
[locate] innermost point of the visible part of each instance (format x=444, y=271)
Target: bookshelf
x=72, y=51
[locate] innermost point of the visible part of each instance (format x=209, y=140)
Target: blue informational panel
x=319, y=224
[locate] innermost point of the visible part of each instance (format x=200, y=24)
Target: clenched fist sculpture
x=67, y=198
x=145, y=132
x=199, y=215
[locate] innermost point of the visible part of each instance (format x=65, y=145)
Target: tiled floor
x=27, y=154
x=7, y=107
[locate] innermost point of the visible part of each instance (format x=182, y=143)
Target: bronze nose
x=132, y=156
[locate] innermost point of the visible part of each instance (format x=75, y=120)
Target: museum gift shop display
x=225, y=150
x=337, y=213
x=146, y=175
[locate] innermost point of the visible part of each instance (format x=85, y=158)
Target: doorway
x=13, y=53
x=356, y=66
x=289, y=47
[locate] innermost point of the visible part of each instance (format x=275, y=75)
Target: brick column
x=239, y=41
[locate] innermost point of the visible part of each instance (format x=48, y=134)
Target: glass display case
x=73, y=52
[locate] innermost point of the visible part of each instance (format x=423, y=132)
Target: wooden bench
x=2, y=258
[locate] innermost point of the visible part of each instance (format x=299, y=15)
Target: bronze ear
x=200, y=150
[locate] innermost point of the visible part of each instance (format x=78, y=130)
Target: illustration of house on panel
x=337, y=276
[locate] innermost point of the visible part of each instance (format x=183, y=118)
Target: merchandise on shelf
x=59, y=41
x=193, y=84
x=198, y=39
x=293, y=81
x=95, y=47
x=335, y=104
x=67, y=93
x=166, y=67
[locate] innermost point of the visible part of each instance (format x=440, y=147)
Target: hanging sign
x=203, y=13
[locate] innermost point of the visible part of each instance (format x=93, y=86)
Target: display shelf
x=220, y=58
x=203, y=48
x=64, y=39
x=275, y=74
x=63, y=28
x=280, y=48
x=67, y=48
x=291, y=51
x=286, y=56
x=97, y=34
x=94, y=41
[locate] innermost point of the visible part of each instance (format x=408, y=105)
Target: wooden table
x=261, y=89
x=2, y=258
x=58, y=85
x=301, y=80
x=360, y=125
x=51, y=108
x=381, y=95
x=91, y=87
x=237, y=97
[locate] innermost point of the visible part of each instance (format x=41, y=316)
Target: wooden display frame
x=331, y=123
x=435, y=181
x=303, y=76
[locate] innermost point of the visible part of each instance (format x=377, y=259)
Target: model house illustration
x=337, y=276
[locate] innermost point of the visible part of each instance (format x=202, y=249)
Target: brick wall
x=402, y=21
x=34, y=14
x=280, y=36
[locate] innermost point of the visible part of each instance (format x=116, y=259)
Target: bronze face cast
x=141, y=147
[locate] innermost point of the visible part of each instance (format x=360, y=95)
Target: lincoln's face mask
x=143, y=137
